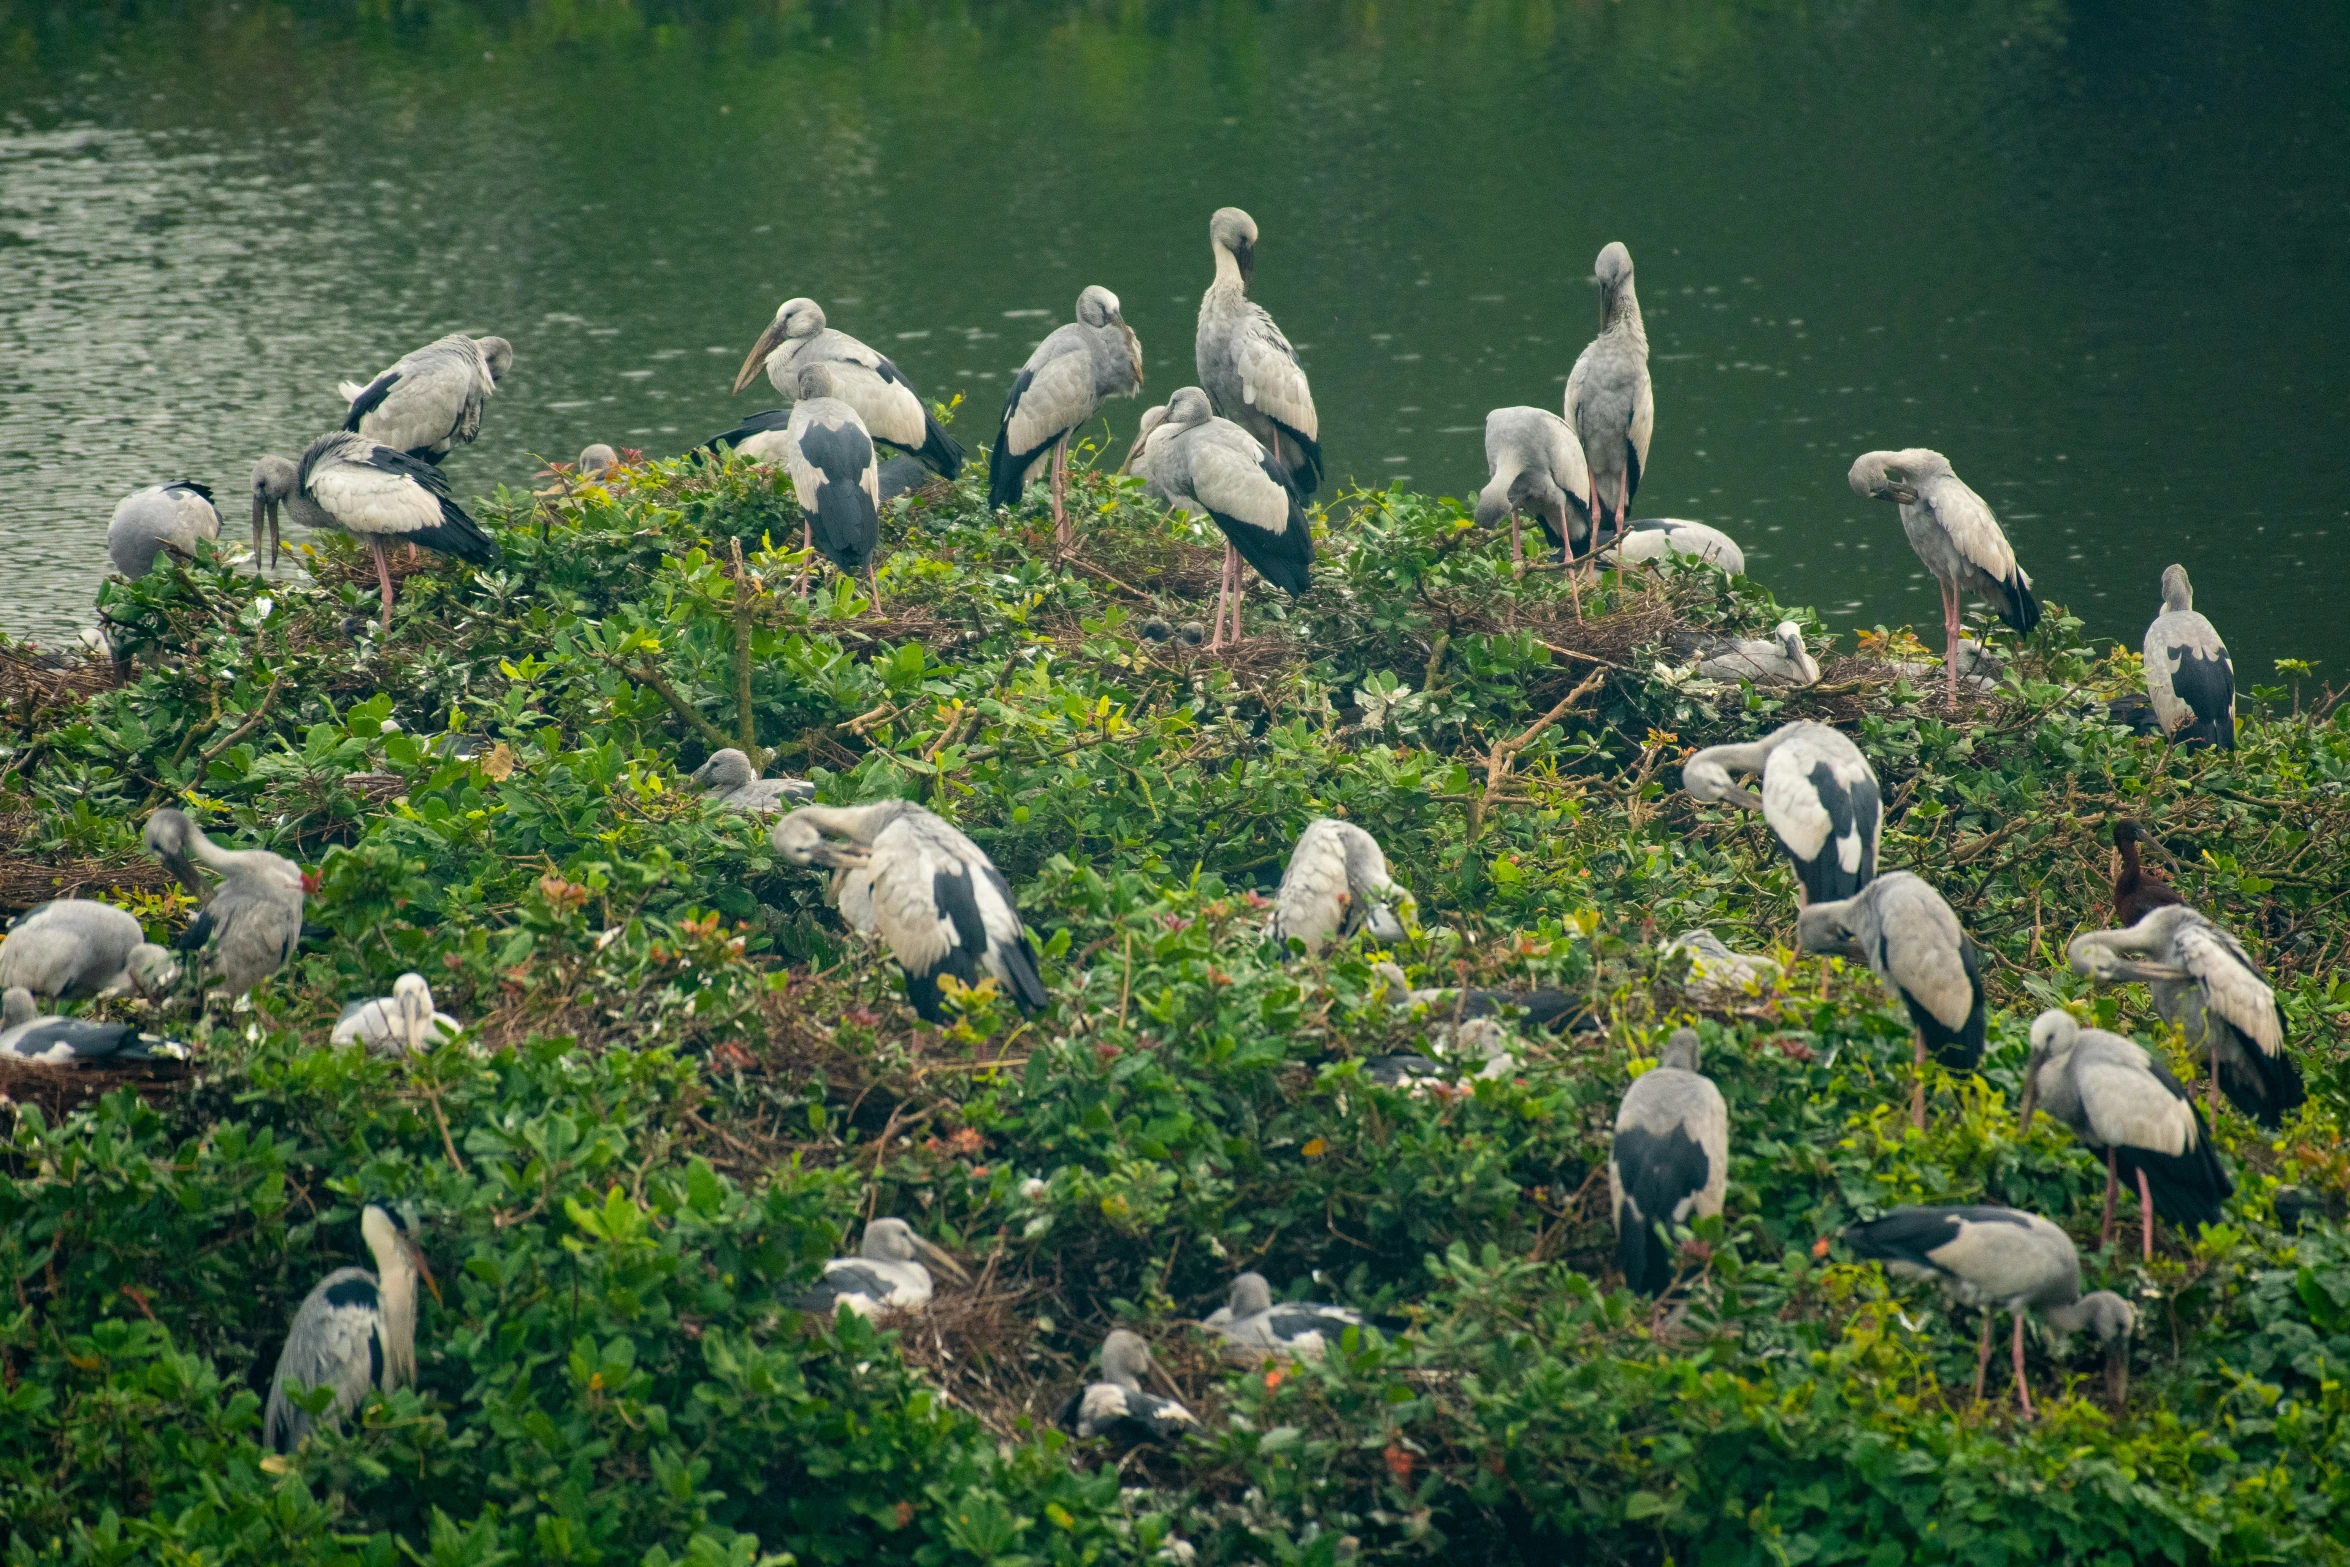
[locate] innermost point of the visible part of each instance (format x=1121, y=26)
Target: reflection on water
x=2099, y=266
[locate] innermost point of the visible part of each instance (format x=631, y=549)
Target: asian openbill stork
x=728, y=781
x=2188, y=677
x=1910, y=939
x=1117, y=1407
x=1247, y=367
x=1780, y=660
x=1214, y=466
x=406, y=1022
x=1077, y=368
x=1335, y=884
x=1610, y=401
x=1645, y=540
x=77, y=948
x=888, y=1273
x=893, y=413
x=1955, y=535
x=1537, y=470
x=1819, y=796
x=1253, y=1325
x=1669, y=1163
x=355, y=1332
x=375, y=491
x=71, y=1041
x=429, y=401
x=253, y=916
x=163, y=519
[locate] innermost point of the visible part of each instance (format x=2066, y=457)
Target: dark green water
x=2094, y=253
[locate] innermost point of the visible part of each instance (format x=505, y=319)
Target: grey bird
x=891, y=1272
x=596, y=458
x=1335, y=884
x=892, y=412
x=729, y=782
x=1910, y=939
x=2188, y=677
x=1610, y=401
x=1213, y=466
x=1711, y=975
x=1780, y=660
x=1955, y=535
x=375, y=491
x=163, y=519
x=253, y=918
x=1247, y=367
x=77, y=948
x=937, y=899
x=1537, y=470
x=355, y=1332
x=1253, y=1325
x=1116, y=1407
x=1670, y=1162
x=1151, y=438
x=406, y=1022
x=1072, y=373
x=2206, y=986
x=2002, y=1259
x=1646, y=540
x=1819, y=796
x=763, y=437
x=2119, y=1100
x=74, y=1041
x=429, y=401
x=831, y=463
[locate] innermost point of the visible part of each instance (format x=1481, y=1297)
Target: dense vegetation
x=684, y=1085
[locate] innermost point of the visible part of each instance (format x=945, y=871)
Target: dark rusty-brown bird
x=2137, y=891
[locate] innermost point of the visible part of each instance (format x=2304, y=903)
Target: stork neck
x=857, y=823
x=1623, y=315
x=1228, y=273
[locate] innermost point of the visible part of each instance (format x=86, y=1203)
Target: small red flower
x=1273, y=1378
x=1399, y=1463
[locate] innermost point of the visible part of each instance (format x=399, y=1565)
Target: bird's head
x=1235, y=233
x=412, y=996
x=894, y=1240
x=1097, y=306
x=498, y=354
x=1126, y=1359
x=1249, y=1296
x=726, y=769
x=274, y=479
x=17, y=1007
x=2054, y=1033
x=1189, y=406
x=595, y=459
x=1708, y=780
x=1683, y=1051
x=393, y=1244
x=169, y=836
x=800, y=841
x=1613, y=272
x=2177, y=592
x=152, y=970
x=795, y=320
x=1152, y=418
x=1824, y=928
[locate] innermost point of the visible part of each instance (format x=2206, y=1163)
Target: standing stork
x=1212, y=465
x=886, y=1274
x=355, y=1332
x=405, y=1022
x=1067, y=379
x=2137, y=891
x=1246, y=365
x=253, y=918
x=1955, y=535
x=163, y=519
x=1909, y=938
x=1645, y=540
x=1537, y=471
x=1669, y=1163
x=429, y=402
x=1819, y=796
x=937, y=900
x=1335, y=884
x=77, y=948
x=1610, y=400
x=1116, y=1406
x=830, y=460
x=893, y=413
x=2188, y=677
x=378, y=492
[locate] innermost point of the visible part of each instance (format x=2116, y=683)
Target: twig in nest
x=1497, y=764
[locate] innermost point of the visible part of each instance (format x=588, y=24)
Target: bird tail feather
x=940, y=451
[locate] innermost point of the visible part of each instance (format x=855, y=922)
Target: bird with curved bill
x=1954, y=533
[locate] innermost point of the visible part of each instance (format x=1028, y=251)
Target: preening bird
x=1253, y=1325
x=1910, y=939
x=160, y=520
x=1648, y=539
x=893, y=413
x=1537, y=471
x=1247, y=367
x=593, y=460
x=937, y=900
x=2207, y=987
x=70, y=1041
x=1713, y=975
x=1610, y=401
x=2002, y=1259
x=1670, y=1162
x=887, y=1274
x=76, y=948
x=377, y=492
x=1955, y=535
x=2137, y=891
x=830, y=460
x=253, y=918
x=1782, y=660
x=430, y=400
x=1336, y=883
x=1071, y=374
x=406, y=1022
x=355, y=1332
x=729, y=782
x=1214, y=466
x=1116, y=1406
x=2188, y=677
x=2121, y=1101
x=1819, y=795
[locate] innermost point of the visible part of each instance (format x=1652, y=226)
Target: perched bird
x=2188, y=677
x=163, y=519
x=937, y=900
x=355, y=1332
x=1253, y=1326
x=2002, y=1259
x=891, y=410
x=732, y=784
x=253, y=917
x=2137, y=891
x=1116, y=1406
x=1214, y=466
x=1610, y=402
x=1071, y=374
x=1142, y=459
x=763, y=438
x=377, y=492
x=830, y=461
x=1954, y=533
x=1336, y=883
x=1715, y=976
x=2207, y=987
x=76, y=948
x=887, y=1274
x=430, y=400
x=70, y=1041
x=1783, y=660
x=1907, y=935
x=1649, y=539
x=1819, y=796
x=1247, y=367
x=1670, y=1161
x=1537, y=471
x=2121, y=1101
x=593, y=460
x=402, y=1023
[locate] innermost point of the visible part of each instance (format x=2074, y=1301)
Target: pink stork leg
x=1062, y=534
x=2145, y=1216
x=1917, y=1094
x=1223, y=592
x=1239, y=595
x=2023, y=1391
x=1950, y=641
x=1983, y=1353
x=383, y=574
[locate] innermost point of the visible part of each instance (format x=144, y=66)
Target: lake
x=2093, y=253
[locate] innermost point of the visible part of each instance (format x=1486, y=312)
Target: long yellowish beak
x=940, y=1260
x=756, y=364
x=423, y=1268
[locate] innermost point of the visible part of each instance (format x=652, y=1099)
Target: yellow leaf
x=1315, y=1148
x=276, y=1464
x=499, y=764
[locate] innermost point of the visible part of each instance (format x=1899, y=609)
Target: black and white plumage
x=1645, y=540
x=1117, y=1407
x=1711, y=975
x=1611, y=402
x=1910, y=939
x=728, y=781
x=253, y=916
x=1335, y=884
x=430, y=400
x=1955, y=535
x=72, y=1041
x=2206, y=985
x=1670, y=1162
x=763, y=437
x=406, y=1022
x=1253, y=1325
x=2001, y=1259
x=1537, y=470
x=77, y=948
x=378, y=492
x=355, y=1332
x=937, y=900
x=887, y=1274
x=1247, y=367
x=1071, y=374
x=2119, y=1100
x=892, y=412
x=1780, y=660
x=1212, y=465
x=162, y=519
x=2188, y=677
x=1819, y=795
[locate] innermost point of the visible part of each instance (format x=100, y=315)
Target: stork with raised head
x=377, y=492
x=1647, y=540
x=429, y=401
x=355, y=1332
x=2002, y=1259
x=1537, y=470
x=73, y=1041
x=937, y=899
x=2137, y=891
x=830, y=460
x=1610, y=400
x=2208, y=987
x=2188, y=677
x=1670, y=1162
x=1955, y=535
x=1247, y=367
x=1253, y=1325
x=890, y=1272
x=1072, y=373
x=2121, y=1101
x=77, y=948
x=1781, y=660
x=892, y=412
x=1819, y=796
x=406, y=1022
x=1335, y=884
x=729, y=781
x=1116, y=1407
x=160, y=520
x=1711, y=975
x=1212, y=465
x=253, y=917
x=1910, y=939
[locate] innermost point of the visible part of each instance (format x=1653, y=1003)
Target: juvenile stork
x=2188, y=677
x=253, y=918
x=163, y=519
x=830, y=460
x=729, y=782
x=1212, y=465
x=1071, y=374
x=1141, y=457
x=887, y=1274
x=1955, y=535
x=594, y=459
x=1252, y=1325
x=1335, y=884
x=406, y=1022
x=1782, y=660
x=1647, y=540
x=1537, y=471
x=1610, y=401
x=2137, y=891
x=1715, y=976
x=1248, y=368
x=893, y=413
x=355, y=1332
x=77, y=948
x=1909, y=938
x=378, y=492
x=1819, y=796
x=429, y=401
x=1116, y=1407
x=1670, y=1161
x=69, y=1041
x=937, y=900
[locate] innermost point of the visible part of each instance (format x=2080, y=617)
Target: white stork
x=1910, y=939
x=893, y=413
x=1247, y=367
x=1819, y=795
x=1610, y=400
x=1955, y=535
x=2188, y=677
x=1072, y=373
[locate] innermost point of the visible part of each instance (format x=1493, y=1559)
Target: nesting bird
x=1610, y=401
x=1335, y=884
x=1537, y=471
x=2137, y=891
x=1819, y=796
x=406, y=1022
x=1910, y=939
x=1067, y=379
x=355, y=1332
x=375, y=491
x=1670, y=1162
x=729, y=782
x=1714, y=976
x=77, y=948
x=1782, y=660
x=890, y=410
x=1646, y=540
x=887, y=1274
x=1253, y=1325
x=1955, y=535
x=595, y=459
x=253, y=917
x=162, y=519
x=1116, y=1407
x=1213, y=466
x=429, y=402
x=2188, y=677
x=71, y=1041
x=1247, y=367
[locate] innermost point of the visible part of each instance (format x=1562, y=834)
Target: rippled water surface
x=2096, y=254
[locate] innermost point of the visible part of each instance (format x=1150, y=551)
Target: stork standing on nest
x=1537, y=471
x=377, y=492
x=429, y=402
x=1611, y=402
x=253, y=917
x=2188, y=677
x=1955, y=535
x=830, y=460
x=1908, y=936
x=1072, y=373
x=1819, y=796
x=892, y=412
x=1247, y=367
x=1213, y=466
x=891, y=1272
x=77, y=948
